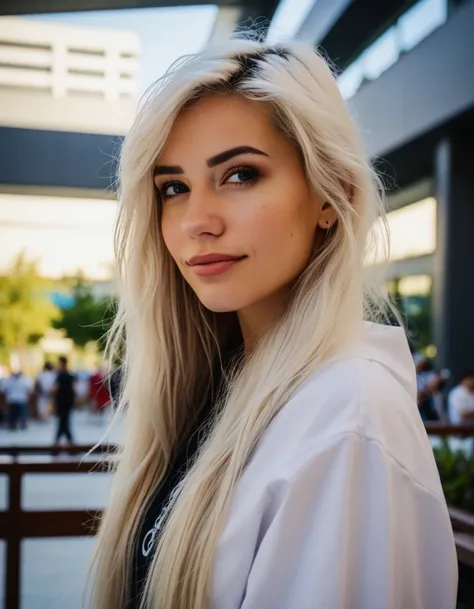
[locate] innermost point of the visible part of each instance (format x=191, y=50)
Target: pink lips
x=207, y=265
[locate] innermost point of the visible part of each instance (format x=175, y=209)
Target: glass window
x=414, y=285
x=415, y=25
x=419, y=21
x=412, y=295
x=412, y=231
x=381, y=55
x=350, y=80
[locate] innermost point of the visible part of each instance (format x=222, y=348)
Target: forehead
x=216, y=123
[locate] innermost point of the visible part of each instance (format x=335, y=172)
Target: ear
x=327, y=217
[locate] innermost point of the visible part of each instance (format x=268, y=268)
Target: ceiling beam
x=258, y=13
x=344, y=28
x=226, y=21
x=27, y=7
x=250, y=10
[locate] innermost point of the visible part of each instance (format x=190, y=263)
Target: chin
x=219, y=306
x=222, y=303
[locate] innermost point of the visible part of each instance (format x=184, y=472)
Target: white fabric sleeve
x=354, y=531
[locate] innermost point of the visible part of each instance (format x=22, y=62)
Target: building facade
x=406, y=71
x=67, y=95
x=62, y=77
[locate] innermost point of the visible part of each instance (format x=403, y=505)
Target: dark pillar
x=453, y=286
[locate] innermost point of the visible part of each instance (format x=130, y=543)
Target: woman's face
x=238, y=216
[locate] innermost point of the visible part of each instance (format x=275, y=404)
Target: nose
x=203, y=216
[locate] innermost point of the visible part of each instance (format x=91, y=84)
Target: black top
x=64, y=397
x=155, y=514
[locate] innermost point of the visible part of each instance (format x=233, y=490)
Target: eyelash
x=255, y=173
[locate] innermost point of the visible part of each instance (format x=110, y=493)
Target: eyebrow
x=217, y=159
x=222, y=157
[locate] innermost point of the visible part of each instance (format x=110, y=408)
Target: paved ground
x=53, y=573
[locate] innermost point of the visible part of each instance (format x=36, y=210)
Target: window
x=381, y=55
x=414, y=26
x=419, y=21
x=412, y=296
x=412, y=232
x=351, y=79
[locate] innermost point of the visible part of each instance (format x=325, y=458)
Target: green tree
x=88, y=319
x=26, y=311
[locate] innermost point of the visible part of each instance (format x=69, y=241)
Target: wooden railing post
x=16, y=525
x=13, y=570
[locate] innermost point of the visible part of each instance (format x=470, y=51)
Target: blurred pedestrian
x=17, y=390
x=64, y=396
x=44, y=388
x=461, y=400
x=428, y=385
x=99, y=392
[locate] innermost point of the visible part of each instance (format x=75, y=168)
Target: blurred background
x=71, y=75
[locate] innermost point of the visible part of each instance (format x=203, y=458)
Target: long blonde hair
x=172, y=342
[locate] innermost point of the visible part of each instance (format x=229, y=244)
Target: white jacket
x=341, y=505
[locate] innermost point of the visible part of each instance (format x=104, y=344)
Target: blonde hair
x=172, y=342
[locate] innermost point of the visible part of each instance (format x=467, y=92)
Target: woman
x=274, y=457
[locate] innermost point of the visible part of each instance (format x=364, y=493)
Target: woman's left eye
x=241, y=175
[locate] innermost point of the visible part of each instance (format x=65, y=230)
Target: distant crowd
x=54, y=392
x=435, y=403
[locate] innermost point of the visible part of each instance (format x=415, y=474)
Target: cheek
x=285, y=229
x=169, y=235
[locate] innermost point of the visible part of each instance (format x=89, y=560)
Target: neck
x=256, y=319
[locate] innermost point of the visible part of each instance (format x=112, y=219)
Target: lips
x=213, y=264
x=212, y=258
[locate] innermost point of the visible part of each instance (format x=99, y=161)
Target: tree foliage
x=88, y=319
x=26, y=311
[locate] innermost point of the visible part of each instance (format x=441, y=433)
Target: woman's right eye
x=169, y=190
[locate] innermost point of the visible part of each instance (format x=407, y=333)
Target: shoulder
x=366, y=388
x=355, y=398
x=347, y=455
x=352, y=395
